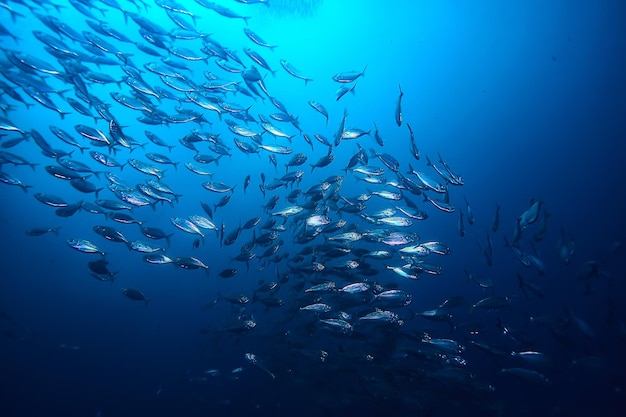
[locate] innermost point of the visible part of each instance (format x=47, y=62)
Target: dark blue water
x=524, y=101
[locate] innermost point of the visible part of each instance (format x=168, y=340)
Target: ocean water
x=524, y=101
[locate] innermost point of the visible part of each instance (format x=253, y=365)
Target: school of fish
x=343, y=268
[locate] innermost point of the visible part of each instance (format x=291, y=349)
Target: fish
x=319, y=108
x=294, y=72
x=322, y=162
x=495, y=302
x=531, y=215
x=190, y=262
x=256, y=57
x=495, y=225
x=161, y=159
x=413, y=146
x=110, y=233
x=318, y=308
x=277, y=149
x=219, y=187
x=67, y=138
x=135, y=295
x=257, y=39
x=398, y=113
x=348, y=77
x=186, y=225
x=565, y=246
x=337, y=325
x=343, y=90
x=39, y=231
x=470, y=214
x=83, y=245
x=461, y=225
x=223, y=11
x=9, y=179
x=101, y=270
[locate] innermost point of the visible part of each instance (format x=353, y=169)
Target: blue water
x=524, y=100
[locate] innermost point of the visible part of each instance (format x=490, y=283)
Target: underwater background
x=518, y=105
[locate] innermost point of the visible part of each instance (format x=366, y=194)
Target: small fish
x=461, y=225
x=414, y=151
x=317, y=308
x=257, y=39
x=157, y=258
x=495, y=302
x=338, y=325
x=470, y=215
x=293, y=71
x=281, y=150
x=38, y=231
x=188, y=262
x=186, y=225
x=135, y=295
x=320, y=108
x=146, y=168
x=495, y=225
x=256, y=57
x=85, y=246
x=322, y=162
x=228, y=273
x=11, y=180
x=398, y=113
x=348, y=77
x=343, y=90
x=289, y=211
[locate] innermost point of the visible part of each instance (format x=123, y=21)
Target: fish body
x=398, y=113
x=9, y=179
x=85, y=246
x=294, y=72
x=348, y=77
x=319, y=108
x=186, y=225
x=135, y=295
x=257, y=39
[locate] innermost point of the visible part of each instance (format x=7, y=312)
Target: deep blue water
x=525, y=101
